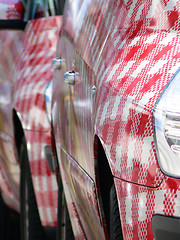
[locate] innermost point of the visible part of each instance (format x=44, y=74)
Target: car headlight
x=167, y=127
x=48, y=98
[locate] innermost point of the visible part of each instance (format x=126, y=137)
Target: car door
x=74, y=109
x=82, y=44
x=74, y=87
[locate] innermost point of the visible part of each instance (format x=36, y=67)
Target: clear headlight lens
x=167, y=127
x=48, y=98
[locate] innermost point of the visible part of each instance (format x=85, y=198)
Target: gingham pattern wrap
x=131, y=69
x=10, y=174
x=11, y=9
x=44, y=181
x=33, y=72
x=132, y=47
x=141, y=68
x=138, y=204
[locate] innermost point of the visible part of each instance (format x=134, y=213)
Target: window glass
x=55, y=7
x=42, y=8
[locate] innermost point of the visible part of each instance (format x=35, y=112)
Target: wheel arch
x=18, y=131
x=106, y=192
x=104, y=181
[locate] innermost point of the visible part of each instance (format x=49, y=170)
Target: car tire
x=9, y=222
x=64, y=229
x=115, y=223
x=3, y=219
x=31, y=228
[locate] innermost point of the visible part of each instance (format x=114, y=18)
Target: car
x=28, y=36
x=115, y=118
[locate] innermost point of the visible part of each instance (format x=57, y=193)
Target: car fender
x=125, y=99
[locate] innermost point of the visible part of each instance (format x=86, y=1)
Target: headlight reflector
x=167, y=127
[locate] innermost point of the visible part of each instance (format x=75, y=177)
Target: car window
x=42, y=8
x=60, y=5
x=55, y=7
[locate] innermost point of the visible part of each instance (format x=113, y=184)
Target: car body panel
x=133, y=56
x=128, y=50
x=29, y=101
x=138, y=204
x=83, y=187
x=11, y=9
x=24, y=74
x=35, y=61
x=9, y=40
x=73, y=214
x=44, y=181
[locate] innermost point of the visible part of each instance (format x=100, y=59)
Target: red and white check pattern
x=132, y=68
x=145, y=61
x=34, y=71
x=9, y=169
x=139, y=203
x=133, y=48
x=11, y=9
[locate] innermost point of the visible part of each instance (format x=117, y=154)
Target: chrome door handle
x=58, y=63
x=71, y=77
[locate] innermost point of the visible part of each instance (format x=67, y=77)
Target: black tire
x=9, y=222
x=3, y=220
x=115, y=223
x=31, y=228
x=64, y=229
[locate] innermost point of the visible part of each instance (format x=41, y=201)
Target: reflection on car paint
x=129, y=50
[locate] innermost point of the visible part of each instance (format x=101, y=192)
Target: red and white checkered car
x=116, y=118
x=27, y=48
